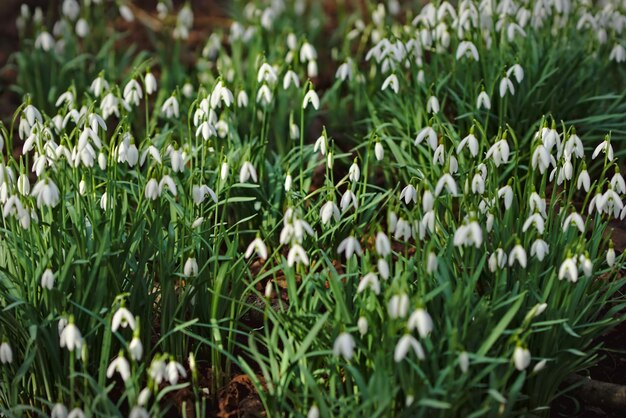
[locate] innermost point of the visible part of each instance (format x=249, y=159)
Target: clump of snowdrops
x=441, y=247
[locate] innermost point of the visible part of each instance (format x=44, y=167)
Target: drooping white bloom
x=605, y=147
x=466, y=48
x=170, y=108
x=71, y=337
x=464, y=361
x=58, y=411
x=348, y=199
x=610, y=256
x=349, y=246
x=344, y=346
x=506, y=85
x=320, y=144
x=432, y=105
x=44, y=41
x=517, y=71
x=47, y=279
x=329, y=210
x=383, y=268
x=314, y=412
x=521, y=358
x=76, y=413
x=362, y=325
x=190, y=268
x=126, y=13
x=120, y=365
x=469, y=234
x=446, y=181
x=497, y=260
x=46, y=193
x=123, y=318
x=247, y=171
x=422, y=321
x=173, y=371
x=98, y=86
x=354, y=172
x=370, y=280
x=483, y=101
x=289, y=79
x=224, y=171
x=264, y=95
x=135, y=348
x=379, y=151
x=199, y=193
x=429, y=134
x=408, y=193
x=167, y=181
x=151, y=190
x=392, y=82
x=297, y=255
x=383, y=246
x=518, y=253
x=267, y=73
x=242, y=99
x=150, y=83
x=569, y=270
x=257, y=245
x=398, y=306
x=506, y=193
x=539, y=249
x=618, y=54
x=312, y=98
x=6, y=354
x=472, y=143
x=132, y=93
x=405, y=343
x=499, y=152
x=139, y=411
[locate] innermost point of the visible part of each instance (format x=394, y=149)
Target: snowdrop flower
x=398, y=306
x=471, y=142
x=167, y=181
x=191, y=267
x=44, y=41
x=483, y=101
x=432, y=105
x=383, y=246
x=314, y=412
x=58, y=411
x=320, y=144
x=432, y=263
x=264, y=95
x=71, y=337
x=312, y=98
x=569, y=270
x=199, y=193
x=517, y=71
x=617, y=183
x=506, y=193
x=152, y=190
x=468, y=234
x=329, y=210
x=120, y=365
x=257, y=245
x=46, y=193
x=466, y=48
x=82, y=28
x=574, y=219
x=408, y=193
x=47, y=279
x=610, y=256
x=76, y=413
x=354, y=173
x=344, y=346
x=618, y=54
x=132, y=93
x=478, y=184
x=518, y=253
x=605, y=147
x=541, y=159
x=307, y=52
x=405, y=343
x=173, y=371
x=429, y=134
x=521, y=358
x=157, y=370
x=539, y=249
x=289, y=79
x=242, y=99
x=446, y=181
x=170, y=107
x=344, y=71
x=370, y=280
x=297, y=255
x=135, y=348
x=586, y=265
x=362, y=325
x=126, y=13
x=6, y=354
x=139, y=411
x=499, y=152
x=267, y=73
x=349, y=246
x=464, y=361
x=247, y=171
x=150, y=83
x=392, y=82
x=224, y=171
x=379, y=151
x=420, y=320
x=348, y=199
x=99, y=86
x=506, y=85
x=65, y=98
x=383, y=268
x=123, y=318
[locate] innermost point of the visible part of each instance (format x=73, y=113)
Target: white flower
x=329, y=210
x=429, y=133
x=47, y=279
x=267, y=73
x=168, y=182
x=152, y=190
x=354, y=172
x=44, y=41
x=199, y=193
x=224, y=171
x=383, y=246
x=362, y=325
x=575, y=219
x=446, y=181
x=247, y=171
x=569, y=270
x=314, y=412
x=499, y=152
x=618, y=54
x=98, y=86
x=132, y=93
x=348, y=199
x=76, y=413
x=126, y=13
x=320, y=144
x=383, y=268
x=398, y=306
x=464, y=361
x=471, y=142
x=610, y=256
x=540, y=366
x=497, y=260
x=617, y=183
x=349, y=246
x=191, y=267
x=123, y=318
x=135, y=348
x=6, y=354
x=264, y=95
x=432, y=263
x=420, y=320
x=432, y=105
x=297, y=255
x=156, y=371
x=466, y=48
x=257, y=245
x=120, y=364
x=170, y=107
x=408, y=193
x=344, y=346
x=406, y=342
x=539, y=249
x=518, y=253
x=46, y=193
x=506, y=85
x=289, y=79
x=379, y=151
x=469, y=234
x=344, y=71
x=71, y=337
x=517, y=71
x=312, y=98
x=583, y=181
x=483, y=101
x=604, y=146
x=173, y=371
x=391, y=81
x=82, y=28
x=139, y=411
x=521, y=358
x=58, y=411
x=370, y=280
x=242, y=99
x=150, y=83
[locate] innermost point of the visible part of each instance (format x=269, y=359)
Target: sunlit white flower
x=264, y=95
x=497, y=260
x=429, y=134
x=408, y=193
x=132, y=93
x=483, y=101
x=314, y=412
x=329, y=210
x=71, y=337
x=344, y=346
x=576, y=220
x=605, y=147
x=297, y=255
x=167, y=182
x=432, y=105
x=120, y=365
x=569, y=270
x=354, y=172
x=617, y=54
x=446, y=181
x=267, y=73
x=499, y=152
x=521, y=358
x=135, y=348
x=518, y=253
x=126, y=13
x=224, y=171
x=46, y=193
x=466, y=48
x=405, y=343
x=506, y=85
x=199, y=193
x=76, y=413
x=464, y=361
x=247, y=172
x=348, y=199
x=6, y=354
x=379, y=151
x=362, y=325
x=398, y=306
x=312, y=98
x=58, y=411
x=123, y=318
x=506, y=194
x=420, y=320
x=610, y=256
x=44, y=41
x=392, y=82
x=468, y=234
x=170, y=108
x=472, y=143
x=289, y=79
x=139, y=411
x=370, y=280
x=190, y=268
x=383, y=268
x=47, y=279
x=173, y=371
x=257, y=245
x=539, y=249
